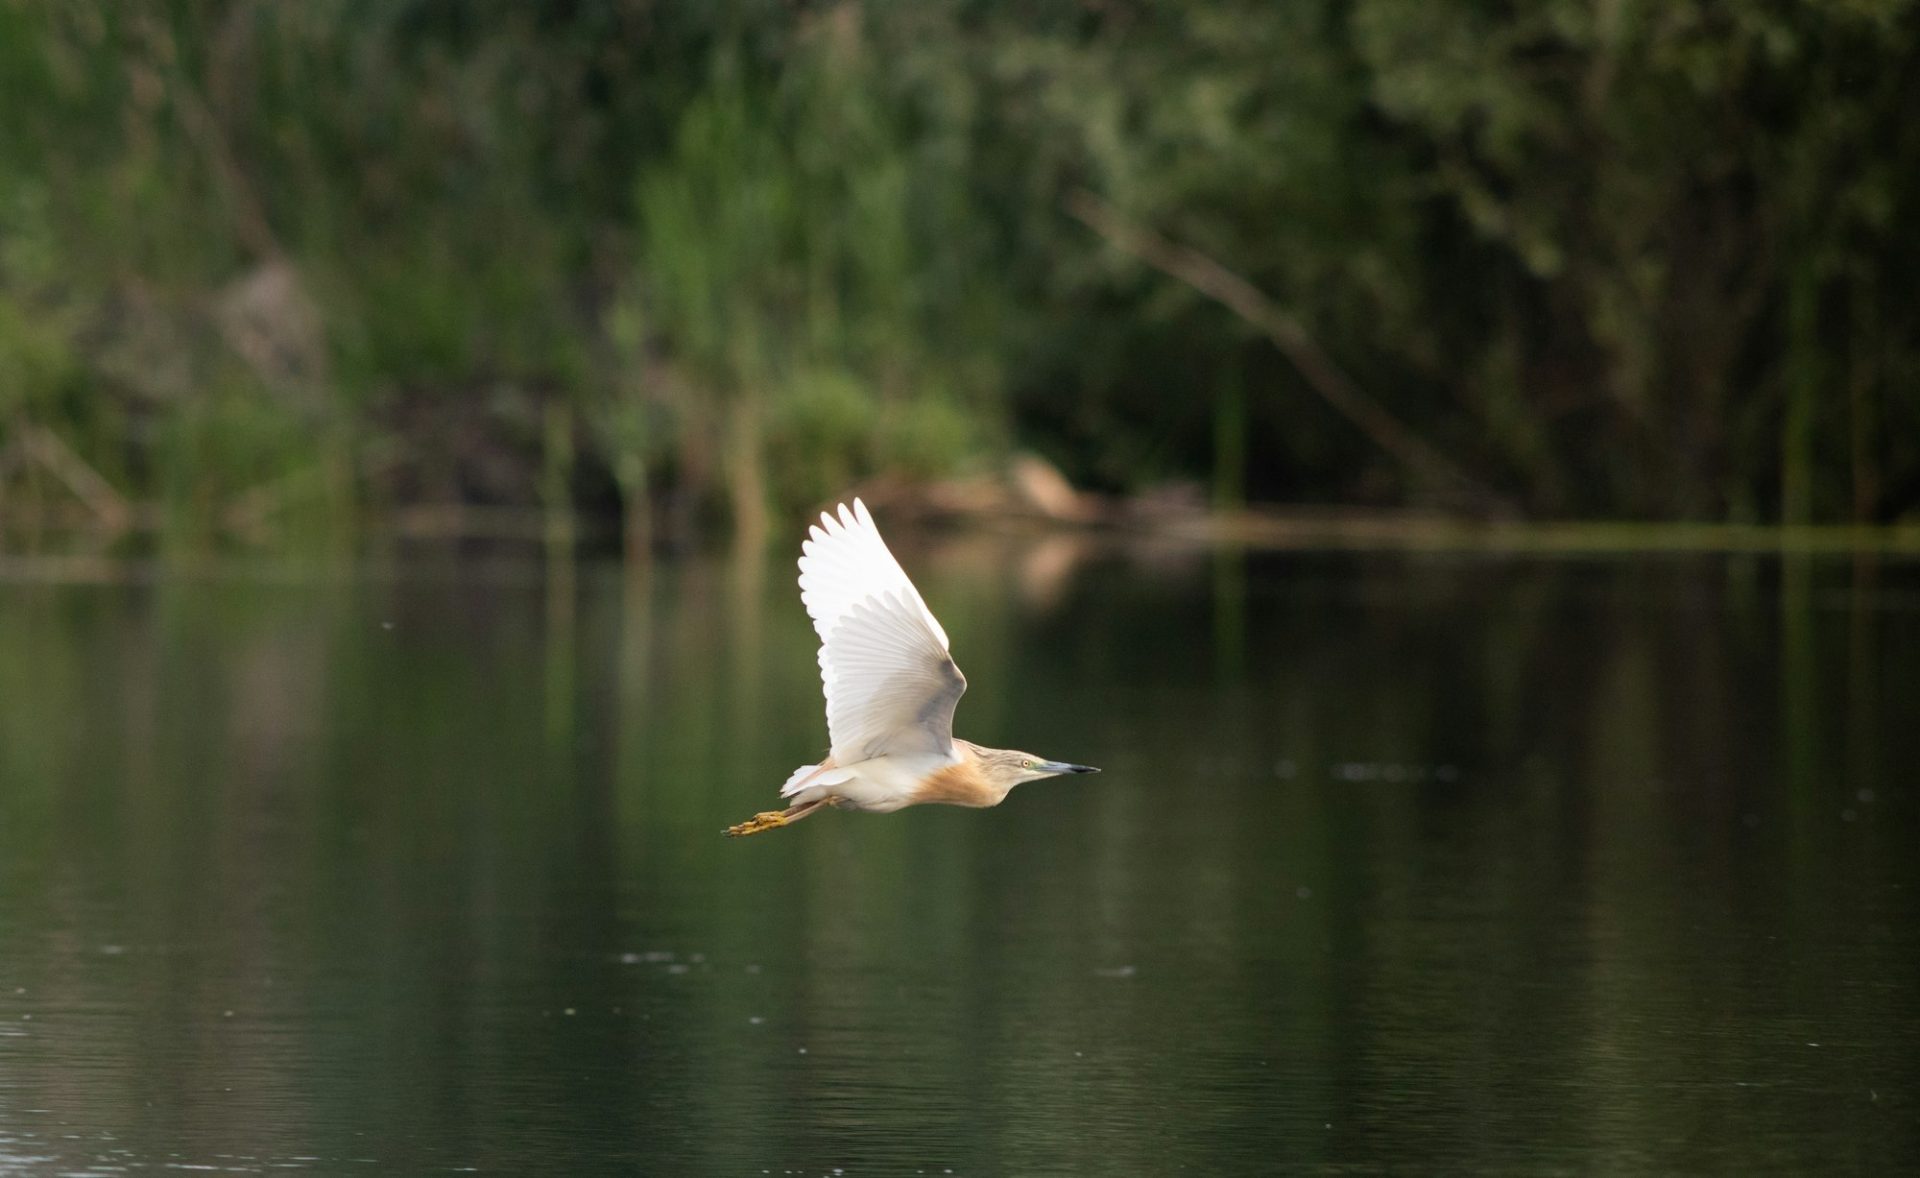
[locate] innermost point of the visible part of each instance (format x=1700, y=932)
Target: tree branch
x=1321, y=373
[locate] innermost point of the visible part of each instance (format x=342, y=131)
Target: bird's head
x=1007, y=768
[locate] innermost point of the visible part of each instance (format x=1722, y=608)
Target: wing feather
x=844, y=562
x=891, y=686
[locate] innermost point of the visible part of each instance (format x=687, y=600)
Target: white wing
x=847, y=562
x=891, y=686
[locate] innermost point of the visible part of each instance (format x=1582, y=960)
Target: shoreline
x=51, y=546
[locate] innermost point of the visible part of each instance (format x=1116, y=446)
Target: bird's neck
x=962, y=783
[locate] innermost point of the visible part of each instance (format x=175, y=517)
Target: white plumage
x=845, y=562
x=891, y=686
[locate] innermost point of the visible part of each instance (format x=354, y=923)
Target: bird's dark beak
x=1063, y=767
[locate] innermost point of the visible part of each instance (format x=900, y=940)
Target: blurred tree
x=265, y=262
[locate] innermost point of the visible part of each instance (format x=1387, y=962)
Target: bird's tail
x=808, y=787
x=813, y=776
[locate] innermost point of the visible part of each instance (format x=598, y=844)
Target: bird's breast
x=884, y=784
x=959, y=784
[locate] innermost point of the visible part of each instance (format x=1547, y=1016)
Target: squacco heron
x=891, y=689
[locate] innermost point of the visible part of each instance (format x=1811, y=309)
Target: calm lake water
x=1399, y=862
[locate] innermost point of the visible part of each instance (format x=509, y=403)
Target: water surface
x=1399, y=862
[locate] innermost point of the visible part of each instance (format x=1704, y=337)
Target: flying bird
x=891, y=689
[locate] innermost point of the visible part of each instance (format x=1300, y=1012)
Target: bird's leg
x=765, y=820
x=770, y=819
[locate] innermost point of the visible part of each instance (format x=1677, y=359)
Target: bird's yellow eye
x=1026, y=764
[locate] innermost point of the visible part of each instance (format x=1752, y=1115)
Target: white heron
x=891, y=689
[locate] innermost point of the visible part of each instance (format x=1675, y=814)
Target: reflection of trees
x=1569, y=835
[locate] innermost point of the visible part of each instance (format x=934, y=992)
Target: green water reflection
x=1397, y=861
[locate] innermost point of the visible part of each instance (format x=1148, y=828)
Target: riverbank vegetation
x=267, y=270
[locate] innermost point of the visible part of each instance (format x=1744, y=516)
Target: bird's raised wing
x=891, y=686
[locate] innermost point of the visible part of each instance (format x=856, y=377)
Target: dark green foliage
x=262, y=261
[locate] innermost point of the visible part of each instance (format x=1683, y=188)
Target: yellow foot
x=765, y=820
